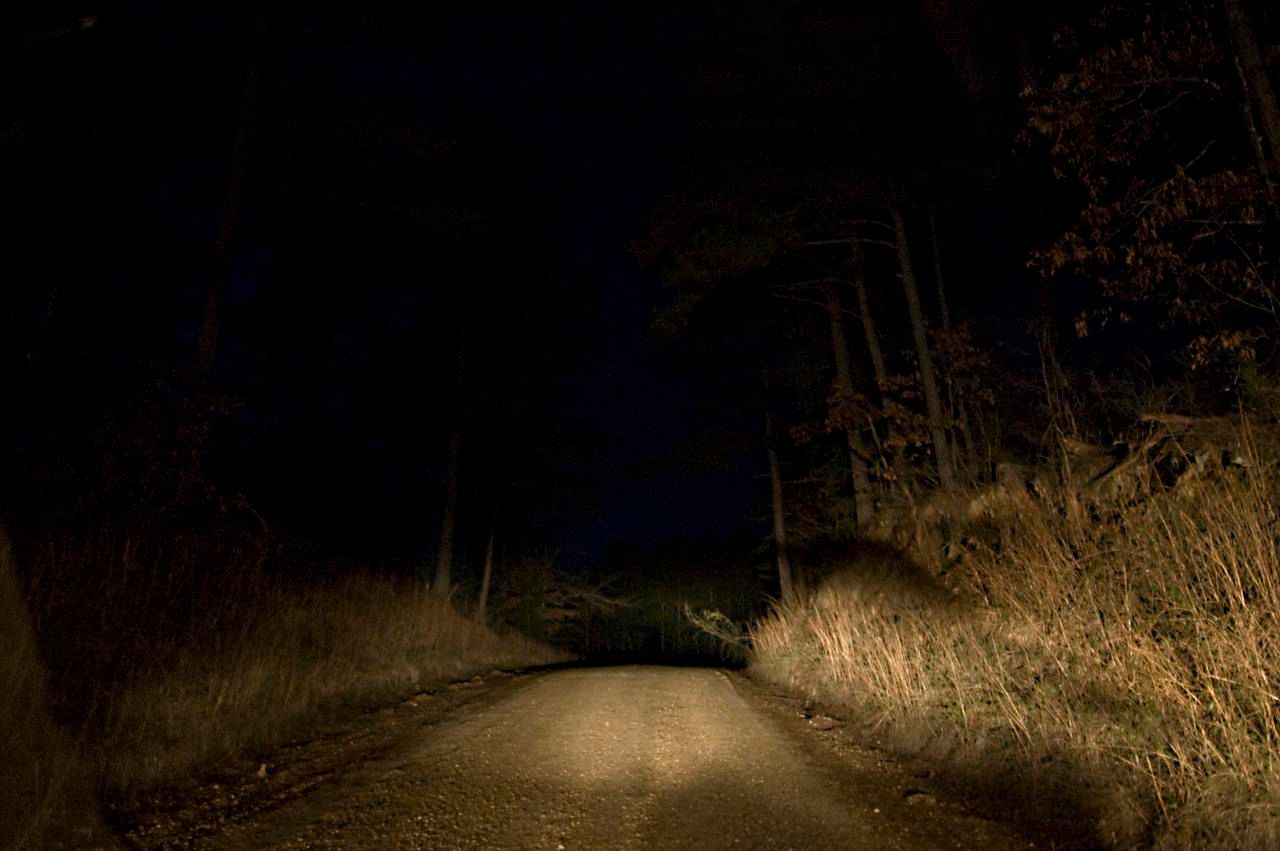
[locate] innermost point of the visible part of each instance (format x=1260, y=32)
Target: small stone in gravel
x=918, y=797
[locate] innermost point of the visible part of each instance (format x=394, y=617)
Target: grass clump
x=1123, y=659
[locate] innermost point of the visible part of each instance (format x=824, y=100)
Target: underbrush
x=1121, y=660
x=359, y=642
x=43, y=783
x=155, y=678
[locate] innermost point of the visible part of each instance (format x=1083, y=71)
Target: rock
x=823, y=722
x=919, y=797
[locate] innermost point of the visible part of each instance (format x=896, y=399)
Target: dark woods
x=242, y=297
x=268, y=303
x=254, y=297
x=917, y=303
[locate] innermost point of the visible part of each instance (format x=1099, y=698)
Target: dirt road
x=628, y=758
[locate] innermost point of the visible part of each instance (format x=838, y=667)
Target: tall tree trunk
x=928, y=378
x=863, y=498
x=877, y=355
x=440, y=584
x=958, y=407
x=1258, y=90
x=483, y=605
x=868, y=321
x=943, y=313
x=38, y=345
x=779, y=519
x=215, y=292
x=444, y=558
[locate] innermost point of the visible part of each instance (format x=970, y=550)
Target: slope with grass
x=1116, y=660
x=150, y=688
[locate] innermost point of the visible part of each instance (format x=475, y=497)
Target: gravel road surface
x=631, y=757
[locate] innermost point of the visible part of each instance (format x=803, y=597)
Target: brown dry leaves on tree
x=1149, y=123
x=964, y=367
x=897, y=423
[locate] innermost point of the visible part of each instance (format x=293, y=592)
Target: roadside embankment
x=1115, y=660
x=127, y=685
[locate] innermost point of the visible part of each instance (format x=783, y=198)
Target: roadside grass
x=43, y=783
x=360, y=642
x=146, y=678
x=1123, y=657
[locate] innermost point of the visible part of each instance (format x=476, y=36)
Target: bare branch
x=857, y=240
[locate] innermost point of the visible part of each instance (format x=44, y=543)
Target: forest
x=918, y=361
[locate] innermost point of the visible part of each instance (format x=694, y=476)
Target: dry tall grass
x=44, y=782
x=153, y=679
x=359, y=642
x=1136, y=644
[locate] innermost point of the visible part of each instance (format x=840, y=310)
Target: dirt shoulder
x=929, y=779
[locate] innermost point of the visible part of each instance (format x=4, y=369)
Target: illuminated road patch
x=629, y=757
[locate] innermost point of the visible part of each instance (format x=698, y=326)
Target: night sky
x=425, y=179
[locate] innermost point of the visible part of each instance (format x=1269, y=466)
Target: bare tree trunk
x=483, y=604
x=38, y=345
x=928, y=378
x=943, y=313
x=441, y=583
x=215, y=292
x=1258, y=90
x=958, y=407
x=877, y=355
x=863, y=499
x=779, y=519
x=444, y=559
x=868, y=321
